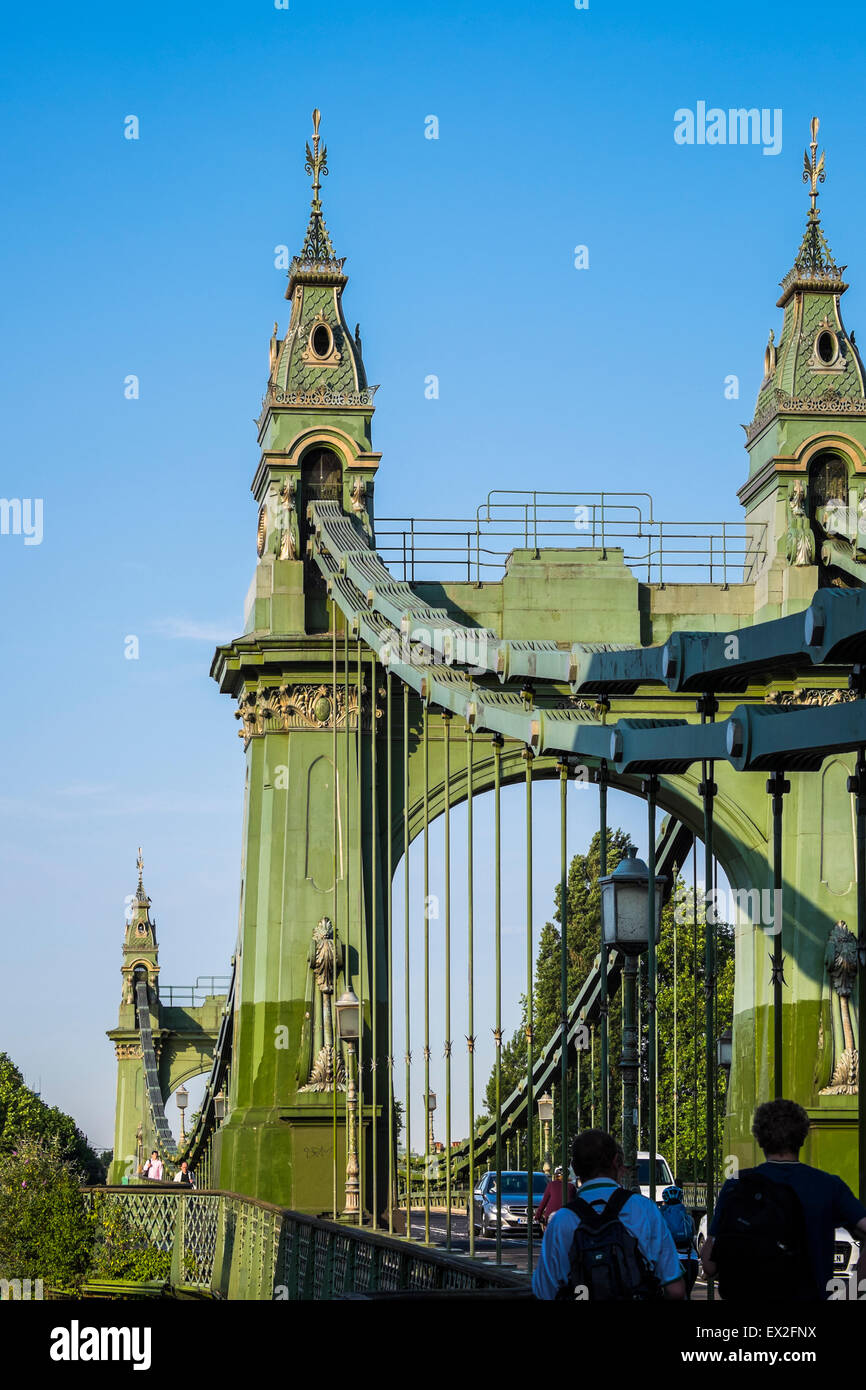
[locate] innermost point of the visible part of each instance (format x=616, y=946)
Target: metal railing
x=235, y=1247
x=695, y=1195
x=438, y=1197
x=192, y=996
x=478, y=548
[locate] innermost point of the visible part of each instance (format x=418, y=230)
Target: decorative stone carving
x=359, y=505
x=840, y=959
x=276, y=709
x=801, y=542
x=320, y=1067
x=332, y=356
x=127, y=1051
x=806, y=696
x=320, y=396
x=288, y=537
x=830, y=402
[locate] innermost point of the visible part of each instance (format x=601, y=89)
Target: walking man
x=184, y=1176
x=608, y=1243
x=153, y=1168
x=773, y=1229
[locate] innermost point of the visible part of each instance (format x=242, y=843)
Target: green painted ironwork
x=236, y=1247
x=470, y=970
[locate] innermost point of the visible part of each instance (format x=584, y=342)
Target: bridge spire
x=814, y=265
x=317, y=250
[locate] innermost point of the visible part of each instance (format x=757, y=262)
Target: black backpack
x=606, y=1262
x=761, y=1248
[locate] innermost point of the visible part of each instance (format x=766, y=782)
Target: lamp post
x=545, y=1117
x=625, y=926
x=182, y=1100
x=139, y=1141
x=724, y=1053
x=348, y=1011
x=219, y=1107
x=431, y=1106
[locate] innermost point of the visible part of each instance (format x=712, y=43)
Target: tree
x=24, y=1114
x=46, y=1231
x=681, y=1032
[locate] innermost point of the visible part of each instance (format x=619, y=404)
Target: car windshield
x=663, y=1176
x=514, y=1184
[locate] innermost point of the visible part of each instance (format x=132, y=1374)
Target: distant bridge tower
x=184, y=1037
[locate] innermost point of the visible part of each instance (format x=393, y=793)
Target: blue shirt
x=827, y=1202
x=639, y=1215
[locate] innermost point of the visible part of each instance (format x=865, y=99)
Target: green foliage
x=46, y=1231
x=24, y=1113
x=121, y=1252
x=683, y=1143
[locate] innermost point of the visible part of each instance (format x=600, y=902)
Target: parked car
x=846, y=1253
x=513, y=1203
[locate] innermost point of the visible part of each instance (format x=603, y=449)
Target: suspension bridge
x=393, y=670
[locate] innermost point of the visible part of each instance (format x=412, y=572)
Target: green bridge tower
x=315, y=863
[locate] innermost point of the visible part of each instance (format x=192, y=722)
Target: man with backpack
x=773, y=1230
x=609, y=1243
x=681, y=1225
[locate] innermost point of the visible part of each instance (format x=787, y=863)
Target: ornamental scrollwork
x=281, y=709
x=806, y=696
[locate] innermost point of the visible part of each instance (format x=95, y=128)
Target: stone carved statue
x=359, y=505
x=801, y=542
x=288, y=539
x=840, y=958
x=319, y=1063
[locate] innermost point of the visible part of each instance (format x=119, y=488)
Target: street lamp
x=431, y=1106
x=545, y=1117
x=348, y=1011
x=724, y=1053
x=182, y=1099
x=625, y=927
x=219, y=1107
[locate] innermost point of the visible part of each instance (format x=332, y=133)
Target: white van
x=664, y=1176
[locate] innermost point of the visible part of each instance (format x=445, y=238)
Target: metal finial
x=317, y=160
x=813, y=168
x=140, y=866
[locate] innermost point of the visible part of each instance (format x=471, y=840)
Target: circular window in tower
x=826, y=346
x=321, y=340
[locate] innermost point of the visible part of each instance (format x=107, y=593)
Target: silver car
x=513, y=1202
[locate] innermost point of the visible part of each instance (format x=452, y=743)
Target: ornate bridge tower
x=308, y=922
x=806, y=491
x=184, y=1037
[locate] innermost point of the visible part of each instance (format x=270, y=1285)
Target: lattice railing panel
x=201, y=1219
x=243, y=1249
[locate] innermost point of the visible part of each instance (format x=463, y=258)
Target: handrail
x=653, y=548
x=243, y=1248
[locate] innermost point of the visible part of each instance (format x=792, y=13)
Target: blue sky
x=155, y=257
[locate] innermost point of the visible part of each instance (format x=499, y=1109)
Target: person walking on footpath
x=681, y=1225
x=153, y=1169
x=184, y=1176
x=772, y=1235
x=609, y=1243
x=552, y=1199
